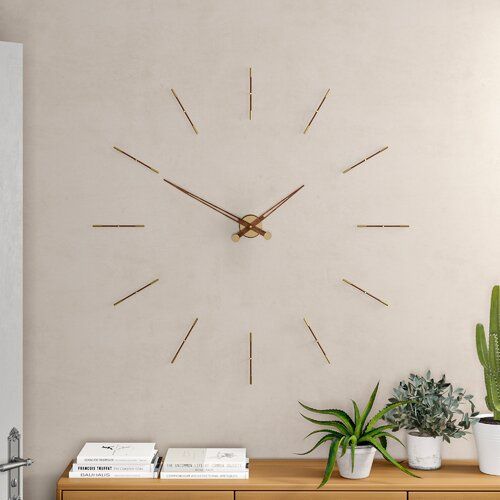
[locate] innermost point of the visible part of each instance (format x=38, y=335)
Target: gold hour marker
x=382, y=225
x=184, y=111
x=135, y=159
x=365, y=292
x=250, y=95
x=365, y=159
x=118, y=225
x=137, y=291
x=250, y=359
x=316, y=112
x=184, y=341
x=317, y=341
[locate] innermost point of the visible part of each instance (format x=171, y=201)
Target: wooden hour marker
x=250, y=95
x=317, y=341
x=184, y=111
x=250, y=373
x=118, y=225
x=137, y=291
x=383, y=225
x=316, y=112
x=365, y=292
x=135, y=159
x=364, y=159
x=184, y=341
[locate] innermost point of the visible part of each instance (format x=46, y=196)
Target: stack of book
x=121, y=460
x=205, y=463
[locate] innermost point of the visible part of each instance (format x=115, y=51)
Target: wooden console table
x=295, y=480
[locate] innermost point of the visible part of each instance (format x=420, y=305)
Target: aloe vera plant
x=489, y=355
x=345, y=432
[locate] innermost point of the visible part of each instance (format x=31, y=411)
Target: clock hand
x=248, y=226
x=264, y=215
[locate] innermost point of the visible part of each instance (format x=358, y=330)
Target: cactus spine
x=489, y=355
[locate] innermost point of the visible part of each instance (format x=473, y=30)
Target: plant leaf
x=375, y=430
x=330, y=464
x=330, y=431
x=357, y=418
x=324, y=439
x=367, y=410
x=391, y=436
x=354, y=442
x=340, y=414
x=389, y=458
x=382, y=412
x=333, y=423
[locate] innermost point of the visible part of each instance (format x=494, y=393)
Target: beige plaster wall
x=421, y=77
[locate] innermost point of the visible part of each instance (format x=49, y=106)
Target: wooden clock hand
x=248, y=226
x=264, y=215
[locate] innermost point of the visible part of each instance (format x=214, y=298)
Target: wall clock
x=248, y=228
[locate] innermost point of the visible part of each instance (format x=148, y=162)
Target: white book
x=112, y=474
x=204, y=475
x=117, y=452
x=205, y=458
x=205, y=469
x=116, y=467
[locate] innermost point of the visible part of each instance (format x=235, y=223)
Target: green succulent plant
x=431, y=408
x=345, y=432
x=489, y=355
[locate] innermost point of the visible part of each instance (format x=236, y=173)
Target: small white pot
x=487, y=437
x=424, y=453
x=363, y=460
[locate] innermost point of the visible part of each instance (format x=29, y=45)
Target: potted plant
x=353, y=441
x=487, y=429
x=431, y=411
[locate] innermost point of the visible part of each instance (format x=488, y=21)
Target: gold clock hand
x=249, y=226
x=266, y=214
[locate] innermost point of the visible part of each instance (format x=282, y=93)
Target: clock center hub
x=250, y=218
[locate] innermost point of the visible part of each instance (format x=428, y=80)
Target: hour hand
x=241, y=221
x=257, y=220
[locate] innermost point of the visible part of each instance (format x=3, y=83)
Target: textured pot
x=424, y=453
x=487, y=437
x=363, y=460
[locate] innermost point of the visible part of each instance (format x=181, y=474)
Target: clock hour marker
x=118, y=225
x=250, y=373
x=135, y=159
x=184, y=341
x=317, y=341
x=316, y=112
x=364, y=159
x=382, y=225
x=137, y=291
x=365, y=292
x=184, y=111
x=250, y=95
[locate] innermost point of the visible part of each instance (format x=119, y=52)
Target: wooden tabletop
x=300, y=475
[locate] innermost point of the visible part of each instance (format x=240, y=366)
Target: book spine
x=110, y=474
x=113, y=460
x=112, y=468
x=202, y=475
x=204, y=467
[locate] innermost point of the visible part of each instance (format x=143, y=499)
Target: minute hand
x=268, y=212
x=248, y=226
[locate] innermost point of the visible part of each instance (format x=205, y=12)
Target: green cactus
x=489, y=355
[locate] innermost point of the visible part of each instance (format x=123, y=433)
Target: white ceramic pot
x=424, y=453
x=363, y=460
x=487, y=437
